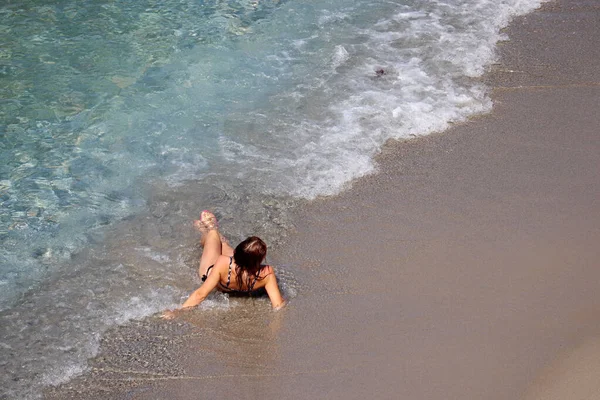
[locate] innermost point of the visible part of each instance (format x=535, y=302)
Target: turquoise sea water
x=120, y=121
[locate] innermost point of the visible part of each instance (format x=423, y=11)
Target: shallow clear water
x=119, y=121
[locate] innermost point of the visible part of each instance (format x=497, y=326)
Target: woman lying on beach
x=238, y=272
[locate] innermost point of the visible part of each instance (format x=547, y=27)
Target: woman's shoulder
x=222, y=262
x=266, y=270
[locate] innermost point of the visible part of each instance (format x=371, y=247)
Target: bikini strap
x=229, y=273
x=251, y=288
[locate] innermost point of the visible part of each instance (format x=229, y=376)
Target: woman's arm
x=272, y=289
x=197, y=296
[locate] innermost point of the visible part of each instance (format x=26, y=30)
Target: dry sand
x=467, y=268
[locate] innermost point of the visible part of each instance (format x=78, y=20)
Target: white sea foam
x=327, y=17
x=153, y=255
x=81, y=338
x=340, y=56
x=137, y=307
x=217, y=301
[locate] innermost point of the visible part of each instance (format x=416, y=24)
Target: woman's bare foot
x=209, y=220
x=200, y=227
x=206, y=223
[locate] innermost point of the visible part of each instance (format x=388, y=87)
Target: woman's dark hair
x=248, y=255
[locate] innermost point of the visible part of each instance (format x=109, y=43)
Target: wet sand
x=467, y=268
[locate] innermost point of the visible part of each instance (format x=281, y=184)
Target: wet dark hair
x=248, y=255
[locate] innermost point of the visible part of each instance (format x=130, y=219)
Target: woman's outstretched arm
x=272, y=288
x=197, y=295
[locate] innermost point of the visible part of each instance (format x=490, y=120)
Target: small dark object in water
x=380, y=72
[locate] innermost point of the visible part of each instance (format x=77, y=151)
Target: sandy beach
x=466, y=268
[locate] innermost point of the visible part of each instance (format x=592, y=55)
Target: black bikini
x=226, y=287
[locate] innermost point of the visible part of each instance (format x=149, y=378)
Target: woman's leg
x=226, y=249
x=213, y=242
x=212, y=250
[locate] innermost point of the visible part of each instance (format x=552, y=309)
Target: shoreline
x=461, y=269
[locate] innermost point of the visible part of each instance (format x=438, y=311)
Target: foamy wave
x=411, y=73
x=54, y=338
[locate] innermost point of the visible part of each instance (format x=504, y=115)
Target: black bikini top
x=228, y=289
